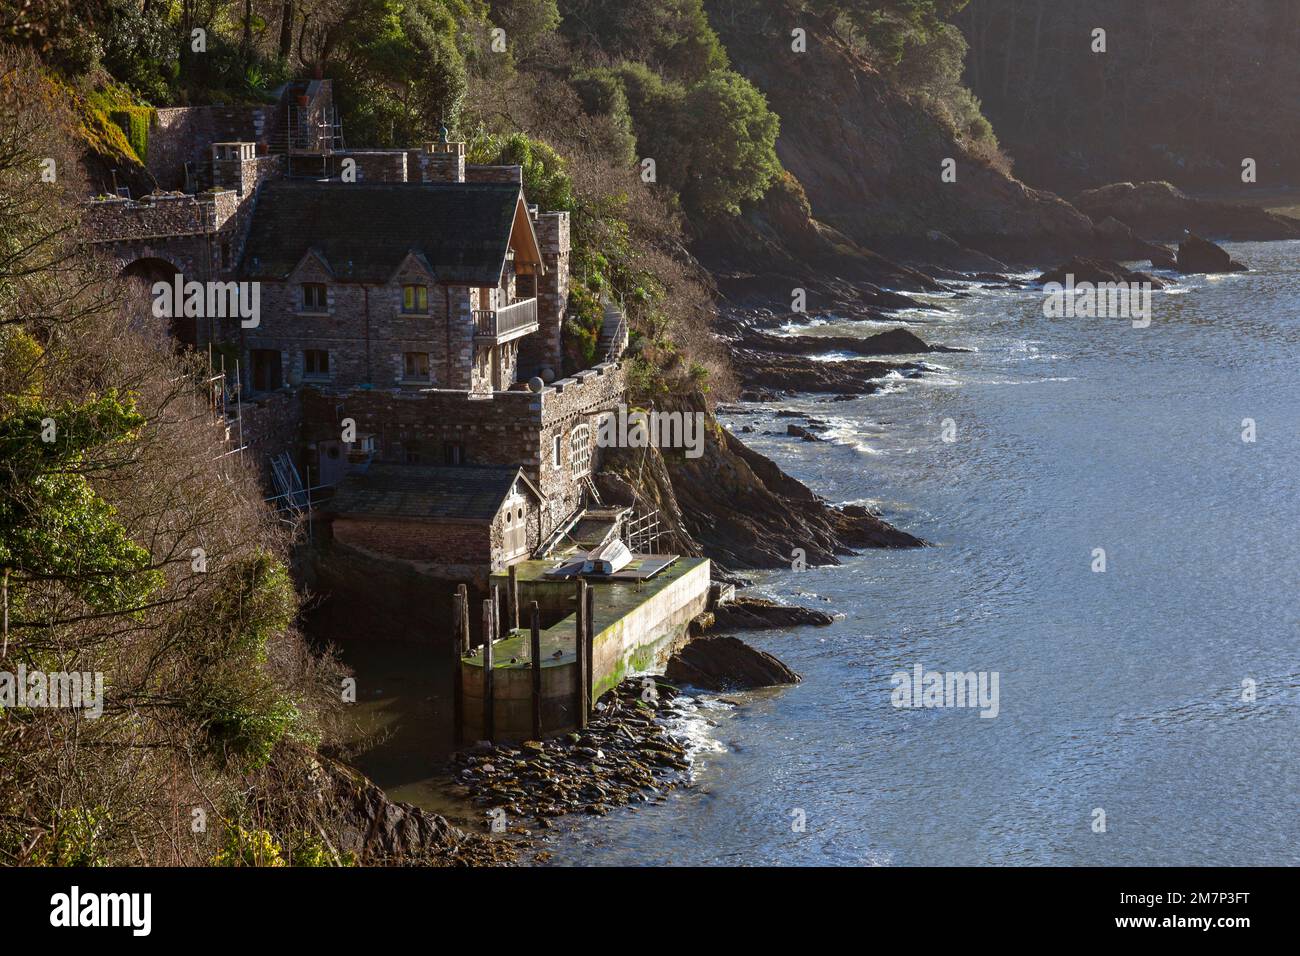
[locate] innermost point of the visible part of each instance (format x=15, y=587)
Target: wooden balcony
x=501, y=325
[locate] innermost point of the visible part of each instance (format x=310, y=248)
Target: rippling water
x=1119, y=690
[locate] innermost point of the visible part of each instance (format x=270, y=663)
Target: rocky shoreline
x=625, y=756
x=741, y=509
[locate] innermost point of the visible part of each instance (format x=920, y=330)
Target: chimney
x=228, y=164
x=442, y=163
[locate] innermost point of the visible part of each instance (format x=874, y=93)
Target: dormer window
x=314, y=298
x=415, y=299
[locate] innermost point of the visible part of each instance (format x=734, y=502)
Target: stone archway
x=143, y=272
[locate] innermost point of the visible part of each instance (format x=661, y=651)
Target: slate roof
x=461, y=229
x=425, y=491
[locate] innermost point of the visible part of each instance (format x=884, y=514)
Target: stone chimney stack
x=438, y=163
x=228, y=165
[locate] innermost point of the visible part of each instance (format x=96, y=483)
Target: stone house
x=419, y=296
x=390, y=284
x=456, y=523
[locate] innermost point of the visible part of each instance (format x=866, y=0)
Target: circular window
x=521, y=514
x=509, y=516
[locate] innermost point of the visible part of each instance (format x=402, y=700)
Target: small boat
x=610, y=557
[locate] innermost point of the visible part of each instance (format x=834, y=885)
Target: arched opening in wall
x=142, y=274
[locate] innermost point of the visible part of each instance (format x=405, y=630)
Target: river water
x=1119, y=691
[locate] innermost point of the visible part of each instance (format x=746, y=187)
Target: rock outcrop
x=738, y=507
x=727, y=663
x=375, y=828
x=1200, y=255
x=891, y=342
x=745, y=613
x=1097, y=271
x=358, y=822
x=1159, y=210
x=869, y=158
x=776, y=373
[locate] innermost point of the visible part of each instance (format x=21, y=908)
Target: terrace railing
x=497, y=323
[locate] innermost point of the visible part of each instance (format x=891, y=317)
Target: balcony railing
x=515, y=319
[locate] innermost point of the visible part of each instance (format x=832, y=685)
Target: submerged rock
x=727, y=663
x=798, y=431
x=1097, y=271
x=892, y=342
x=747, y=613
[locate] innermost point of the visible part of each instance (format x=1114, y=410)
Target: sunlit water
x=1120, y=691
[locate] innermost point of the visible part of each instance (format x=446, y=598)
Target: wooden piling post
x=589, y=645
x=535, y=648
x=581, y=703
x=489, y=701
x=462, y=597
x=458, y=688
x=498, y=619
x=512, y=597
x=457, y=678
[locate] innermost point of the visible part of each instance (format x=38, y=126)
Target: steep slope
x=870, y=160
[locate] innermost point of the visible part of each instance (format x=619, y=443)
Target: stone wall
x=494, y=174
x=500, y=429
x=516, y=428
x=365, y=331
x=544, y=349
x=185, y=134
x=567, y=404
x=373, y=165
x=200, y=236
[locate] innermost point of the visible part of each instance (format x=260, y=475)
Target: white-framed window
x=415, y=366
x=557, y=452
x=314, y=297
x=580, y=450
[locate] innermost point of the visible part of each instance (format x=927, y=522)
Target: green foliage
x=93, y=109
x=734, y=138
x=889, y=28
x=931, y=71
x=671, y=36
x=546, y=182
x=258, y=847
x=402, y=72
x=72, y=839
x=601, y=93
x=53, y=526
x=248, y=848
x=714, y=141
x=234, y=698
x=528, y=25
x=134, y=122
